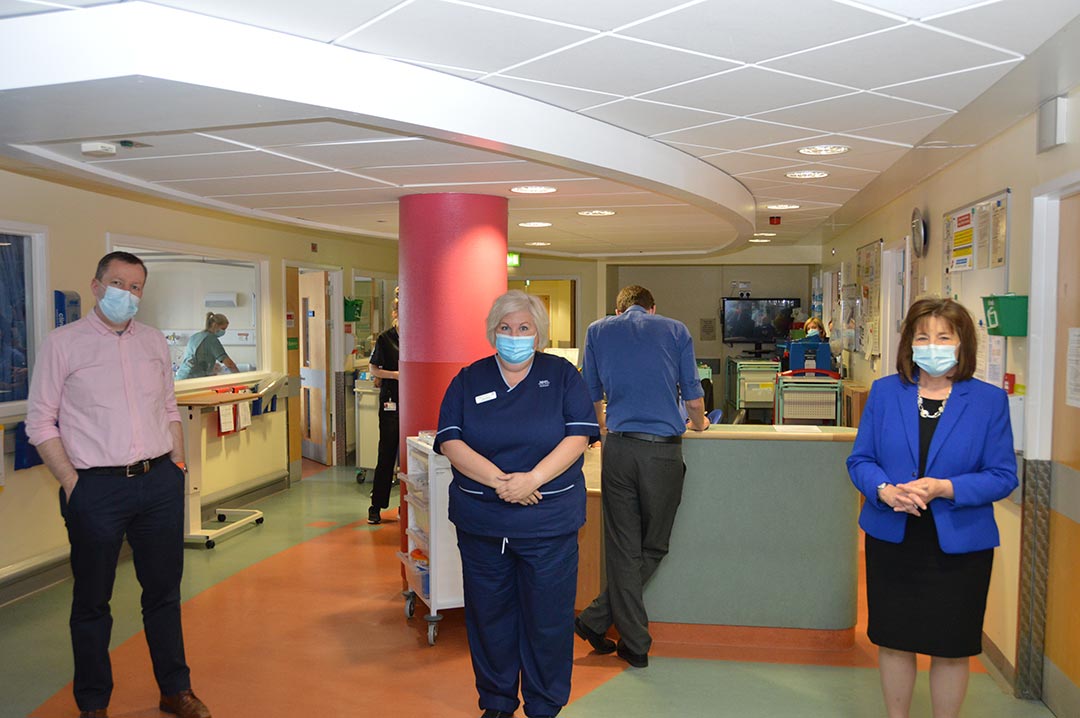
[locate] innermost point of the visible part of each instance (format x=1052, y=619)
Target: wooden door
x=316, y=378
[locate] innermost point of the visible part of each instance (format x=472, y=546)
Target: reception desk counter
x=765, y=538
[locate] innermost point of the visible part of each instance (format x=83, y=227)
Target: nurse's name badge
x=486, y=397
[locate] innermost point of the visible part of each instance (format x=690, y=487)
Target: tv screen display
x=758, y=321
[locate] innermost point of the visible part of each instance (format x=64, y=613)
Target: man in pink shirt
x=103, y=416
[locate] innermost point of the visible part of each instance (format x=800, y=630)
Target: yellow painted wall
x=559, y=302
x=1008, y=160
x=77, y=221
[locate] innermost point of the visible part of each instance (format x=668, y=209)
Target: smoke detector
x=98, y=149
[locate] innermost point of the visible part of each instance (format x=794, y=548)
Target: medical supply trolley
x=808, y=396
x=748, y=384
x=431, y=536
x=366, y=403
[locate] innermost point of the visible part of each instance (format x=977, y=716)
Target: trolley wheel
x=210, y=543
x=361, y=476
x=432, y=633
x=221, y=517
x=260, y=519
x=410, y=605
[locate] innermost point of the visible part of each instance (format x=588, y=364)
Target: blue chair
x=816, y=352
x=716, y=416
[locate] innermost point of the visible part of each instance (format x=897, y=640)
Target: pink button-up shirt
x=108, y=396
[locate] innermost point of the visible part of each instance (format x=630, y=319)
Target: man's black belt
x=137, y=469
x=654, y=438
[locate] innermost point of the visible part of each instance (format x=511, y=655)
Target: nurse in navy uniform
x=515, y=426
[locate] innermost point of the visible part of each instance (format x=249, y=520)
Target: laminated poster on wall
x=1072, y=369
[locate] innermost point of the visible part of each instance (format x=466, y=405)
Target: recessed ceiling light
x=596, y=212
x=760, y=241
x=781, y=206
x=807, y=174
x=538, y=244
x=534, y=224
x=532, y=189
x=764, y=234
x=824, y=150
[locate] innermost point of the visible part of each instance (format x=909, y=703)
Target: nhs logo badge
x=544, y=383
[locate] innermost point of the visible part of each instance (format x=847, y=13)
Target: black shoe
x=491, y=713
x=637, y=660
x=600, y=643
x=374, y=515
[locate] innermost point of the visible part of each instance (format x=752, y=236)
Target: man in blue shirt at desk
x=642, y=362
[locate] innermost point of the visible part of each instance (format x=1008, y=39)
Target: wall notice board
x=975, y=241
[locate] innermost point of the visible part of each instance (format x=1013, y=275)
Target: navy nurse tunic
x=515, y=429
x=519, y=563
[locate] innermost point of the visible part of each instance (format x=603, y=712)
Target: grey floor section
x=719, y=689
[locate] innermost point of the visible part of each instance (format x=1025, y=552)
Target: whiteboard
x=975, y=251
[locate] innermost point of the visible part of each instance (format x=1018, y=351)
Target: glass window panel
x=182, y=290
x=15, y=339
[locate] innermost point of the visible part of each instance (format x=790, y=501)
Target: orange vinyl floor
x=304, y=616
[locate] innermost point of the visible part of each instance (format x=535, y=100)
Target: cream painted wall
x=77, y=221
x=1009, y=160
x=584, y=272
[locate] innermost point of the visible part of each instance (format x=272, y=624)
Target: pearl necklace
x=926, y=414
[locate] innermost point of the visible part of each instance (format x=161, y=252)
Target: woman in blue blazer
x=933, y=452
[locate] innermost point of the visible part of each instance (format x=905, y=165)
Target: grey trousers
x=641, y=490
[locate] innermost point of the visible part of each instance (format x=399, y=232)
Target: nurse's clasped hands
x=520, y=487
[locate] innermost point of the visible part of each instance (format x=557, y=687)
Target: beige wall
x=1007, y=161
x=77, y=222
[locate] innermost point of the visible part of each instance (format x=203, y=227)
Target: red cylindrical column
x=451, y=266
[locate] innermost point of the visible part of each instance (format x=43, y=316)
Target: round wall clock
x=919, y=240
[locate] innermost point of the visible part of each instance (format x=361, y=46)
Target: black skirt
x=922, y=599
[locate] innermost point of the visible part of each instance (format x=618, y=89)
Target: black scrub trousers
x=105, y=506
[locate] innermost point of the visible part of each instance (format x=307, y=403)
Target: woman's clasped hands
x=913, y=497
x=520, y=487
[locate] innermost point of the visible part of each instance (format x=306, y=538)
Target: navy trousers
x=149, y=510
x=519, y=616
x=389, y=437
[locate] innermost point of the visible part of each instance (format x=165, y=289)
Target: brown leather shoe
x=185, y=705
x=99, y=713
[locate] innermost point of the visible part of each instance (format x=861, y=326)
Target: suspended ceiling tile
x=466, y=37
x=1012, y=24
x=275, y=183
x=594, y=66
x=737, y=163
x=883, y=154
x=909, y=132
x=509, y=172
x=819, y=193
x=916, y=9
x=600, y=15
x=306, y=199
x=300, y=133
x=224, y=164
x=570, y=98
x=740, y=134
x=614, y=200
x=907, y=53
x=750, y=31
x=413, y=152
x=838, y=176
x=322, y=21
x=747, y=91
x=12, y=8
x=843, y=114
x=157, y=146
x=652, y=118
x=952, y=91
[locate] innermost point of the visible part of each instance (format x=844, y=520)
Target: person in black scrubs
x=515, y=427
x=384, y=365
x=933, y=452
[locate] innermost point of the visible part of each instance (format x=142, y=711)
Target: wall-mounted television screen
x=758, y=321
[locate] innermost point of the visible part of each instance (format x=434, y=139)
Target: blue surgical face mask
x=118, y=305
x=219, y=333
x=934, y=359
x=812, y=333
x=515, y=350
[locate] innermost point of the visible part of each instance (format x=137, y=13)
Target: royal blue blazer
x=972, y=447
